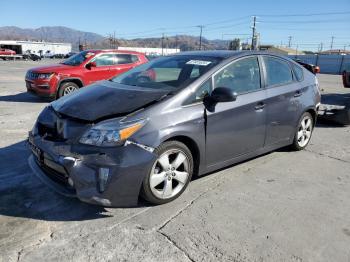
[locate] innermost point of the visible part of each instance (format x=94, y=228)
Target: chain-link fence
x=329, y=64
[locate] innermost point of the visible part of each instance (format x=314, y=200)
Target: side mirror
x=90, y=65
x=223, y=94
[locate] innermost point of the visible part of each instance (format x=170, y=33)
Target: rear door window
x=104, y=60
x=278, y=71
x=124, y=59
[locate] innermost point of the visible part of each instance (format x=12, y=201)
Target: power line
x=305, y=21
x=229, y=20
x=310, y=14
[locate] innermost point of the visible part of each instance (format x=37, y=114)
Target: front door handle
x=298, y=93
x=259, y=106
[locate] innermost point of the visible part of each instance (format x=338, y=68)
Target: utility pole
x=332, y=42
x=289, y=41
x=253, y=33
x=176, y=42
x=321, y=47
x=162, y=44
x=200, y=36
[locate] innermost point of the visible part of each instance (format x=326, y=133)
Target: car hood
x=105, y=99
x=51, y=68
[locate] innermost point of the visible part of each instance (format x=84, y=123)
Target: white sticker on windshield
x=198, y=62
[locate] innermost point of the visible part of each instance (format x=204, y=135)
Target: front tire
x=303, y=132
x=170, y=174
x=67, y=88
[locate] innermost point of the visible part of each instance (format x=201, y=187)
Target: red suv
x=79, y=70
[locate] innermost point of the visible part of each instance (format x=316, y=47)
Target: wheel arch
x=75, y=80
x=192, y=146
x=313, y=113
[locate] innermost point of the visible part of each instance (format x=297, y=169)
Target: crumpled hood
x=104, y=99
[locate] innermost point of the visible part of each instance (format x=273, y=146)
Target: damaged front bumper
x=102, y=176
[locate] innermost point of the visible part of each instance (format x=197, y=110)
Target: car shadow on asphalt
x=24, y=97
x=23, y=195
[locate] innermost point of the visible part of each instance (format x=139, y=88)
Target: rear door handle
x=259, y=106
x=298, y=93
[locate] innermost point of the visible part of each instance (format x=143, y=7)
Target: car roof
x=224, y=54
x=98, y=51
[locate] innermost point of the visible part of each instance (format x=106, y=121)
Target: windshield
x=174, y=72
x=78, y=58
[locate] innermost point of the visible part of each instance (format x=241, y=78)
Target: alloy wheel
x=304, y=131
x=69, y=89
x=169, y=174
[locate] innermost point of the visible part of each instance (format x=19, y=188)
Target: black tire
x=146, y=191
x=63, y=88
x=297, y=145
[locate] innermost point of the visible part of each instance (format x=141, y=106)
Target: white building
x=151, y=50
x=22, y=47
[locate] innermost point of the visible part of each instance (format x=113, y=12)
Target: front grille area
x=54, y=175
x=54, y=171
x=32, y=75
x=49, y=133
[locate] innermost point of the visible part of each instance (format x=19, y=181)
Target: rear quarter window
x=298, y=72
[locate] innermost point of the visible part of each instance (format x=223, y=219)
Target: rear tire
x=67, y=88
x=303, y=132
x=170, y=174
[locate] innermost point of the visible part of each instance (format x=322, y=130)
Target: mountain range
x=93, y=40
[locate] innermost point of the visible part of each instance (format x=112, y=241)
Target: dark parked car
x=29, y=56
x=311, y=67
x=147, y=134
x=70, y=54
x=346, y=75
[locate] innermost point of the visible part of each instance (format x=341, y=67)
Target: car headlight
x=110, y=133
x=45, y=75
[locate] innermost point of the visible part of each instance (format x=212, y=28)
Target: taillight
x=316, y=69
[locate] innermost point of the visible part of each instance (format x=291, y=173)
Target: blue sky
x=304, y=20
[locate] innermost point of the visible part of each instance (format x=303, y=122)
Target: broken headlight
x=110, y=133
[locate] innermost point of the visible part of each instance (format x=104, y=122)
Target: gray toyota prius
x=146, y=132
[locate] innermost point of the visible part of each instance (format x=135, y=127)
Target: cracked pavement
x=283, y=206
